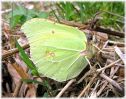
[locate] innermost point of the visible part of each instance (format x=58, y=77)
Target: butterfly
x=56, y=49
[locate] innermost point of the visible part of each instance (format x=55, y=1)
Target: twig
x=87, y=73
x=120, y=54
x=17, y=89
x=106, y=43
x=109, y=55
x=6, y=11
x=105, y=84
x=119, y=44
x=88, y=62
x=22, y=74
x=91, y=71
x=102, y=88
x=112, y=49
x=65, y=88
x=89, y=84
x=114, y=83
x=18, y=69
x=120, y=65
x=112, y=88
x=113, y=14
x=108, y=66
x=109, y=31
x=70, y=23
x=8, y=88
x=93, y=91
x=13, y=51
x=98, y=48
x=102, y=11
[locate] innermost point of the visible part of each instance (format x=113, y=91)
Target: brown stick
x=119, y=44
x=13, y=51
x=22, y=74
x=82, y=78
x=65, y=88
x=120, y=54
x=111, y=49
x=6, y=11
x=105, y=84
x=94, y=89
x=109, y=31
x=108, y=66
x=101, y=88
x=114, y=83
x=70, y=23
x=89, y=84
x=17, y=89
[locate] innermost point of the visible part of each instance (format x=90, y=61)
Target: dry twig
x=109, y=31
x=120, y=54
x=89, y=84
x=119, y=44
x=94, y=90
x=114, y=83
x=65, y=88
x=17, y=89
x=108, y=66
x=6, y=11
x=105, y=83
x=13, y=51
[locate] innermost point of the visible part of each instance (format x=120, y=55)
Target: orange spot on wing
x=49, y=54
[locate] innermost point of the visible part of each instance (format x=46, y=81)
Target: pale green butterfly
x=56, y=48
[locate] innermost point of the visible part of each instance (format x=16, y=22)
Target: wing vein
x=63, y=48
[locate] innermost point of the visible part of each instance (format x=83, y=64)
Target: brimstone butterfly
x=56, y=48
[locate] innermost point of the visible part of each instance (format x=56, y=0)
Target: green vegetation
x=83, y=11
x=26, y=59
x=21, y=14
x=111, y=14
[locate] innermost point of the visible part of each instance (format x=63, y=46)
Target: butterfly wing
x=55, y=48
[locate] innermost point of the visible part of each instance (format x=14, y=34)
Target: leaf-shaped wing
x=55, y=48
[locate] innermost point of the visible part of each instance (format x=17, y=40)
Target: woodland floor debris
x=99, y=92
